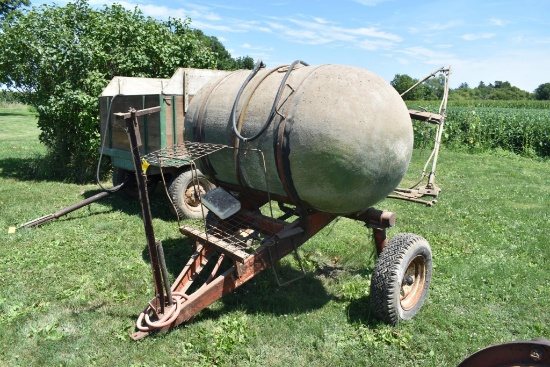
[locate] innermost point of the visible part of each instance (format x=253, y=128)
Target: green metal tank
x=340, y=141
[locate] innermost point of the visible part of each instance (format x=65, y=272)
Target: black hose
x=257, y=67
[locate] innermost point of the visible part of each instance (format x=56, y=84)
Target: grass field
x=72, y=289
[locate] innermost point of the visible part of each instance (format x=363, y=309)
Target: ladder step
x=234, y=252
x=432, y=118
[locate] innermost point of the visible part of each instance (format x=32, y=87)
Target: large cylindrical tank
x=340, y=142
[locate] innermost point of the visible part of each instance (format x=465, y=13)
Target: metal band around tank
x=199, y=134
x=236, y=140
x=282, y=143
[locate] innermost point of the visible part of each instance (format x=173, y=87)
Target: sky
x=481, y=40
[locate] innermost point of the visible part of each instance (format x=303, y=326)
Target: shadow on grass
x=158, y=203
x=24, y=169
x=114, y=202
x=260, y=295
x=359, y=312
x=46, y=168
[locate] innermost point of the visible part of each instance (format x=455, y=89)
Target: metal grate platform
x=237, y=235
x=181, y=154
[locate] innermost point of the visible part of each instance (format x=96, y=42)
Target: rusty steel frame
x=283, y=238
x=156, y=253
x=176, y=303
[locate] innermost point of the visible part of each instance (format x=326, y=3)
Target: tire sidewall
x=181, y=183
x=418, y=247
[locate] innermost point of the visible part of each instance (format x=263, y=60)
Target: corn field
x=521, y=127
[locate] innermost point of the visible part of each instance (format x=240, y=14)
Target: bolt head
x=536, y=355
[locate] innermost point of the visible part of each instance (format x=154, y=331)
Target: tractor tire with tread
x=401, y=278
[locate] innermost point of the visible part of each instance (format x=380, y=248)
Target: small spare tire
x=185, y=190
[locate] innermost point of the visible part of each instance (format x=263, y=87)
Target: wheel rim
x=413, y=282
x=191, y=198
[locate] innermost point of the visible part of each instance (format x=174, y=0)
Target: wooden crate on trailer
x=157, y=131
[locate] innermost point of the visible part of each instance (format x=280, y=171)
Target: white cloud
x=497, y=22
x=319, y=32
x=258, y=48
x=370, y=32
x=373, y=45
x=517, y=39
x=443, y=26
x=430, y=27
x=473, y=37
x=429, y=56
x=321, y=20
x=369, y=2
x=296, y=29
x=164, y=12
x=222, y=28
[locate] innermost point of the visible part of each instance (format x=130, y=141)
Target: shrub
x=60, y=58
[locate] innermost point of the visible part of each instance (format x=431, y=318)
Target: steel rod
x=131, y=126
x=65, y=211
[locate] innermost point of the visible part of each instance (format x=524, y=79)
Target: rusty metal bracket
x=289, y=234
x=378, y=221
x=130, y=114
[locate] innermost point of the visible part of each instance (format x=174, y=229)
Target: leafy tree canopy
x=7, y=6
x=433, y=89
x=224, y=60
x=498, y=91
x=542, y=93
x=61, y=57
x=430, y=90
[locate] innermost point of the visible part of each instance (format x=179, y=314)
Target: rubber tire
x=388, y=276
x=130, y=189
x=178, y=188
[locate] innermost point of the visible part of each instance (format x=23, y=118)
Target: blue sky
x=482, y=40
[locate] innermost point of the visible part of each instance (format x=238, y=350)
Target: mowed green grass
x=72, y=289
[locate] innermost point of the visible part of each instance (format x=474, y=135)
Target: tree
x=7, y=6
x=503, y=85
x=543, y=92
x=224, y=59
x=61, y=58
x=246, y=62
x=431, y=89
x=434, y=88
x=402, y=82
